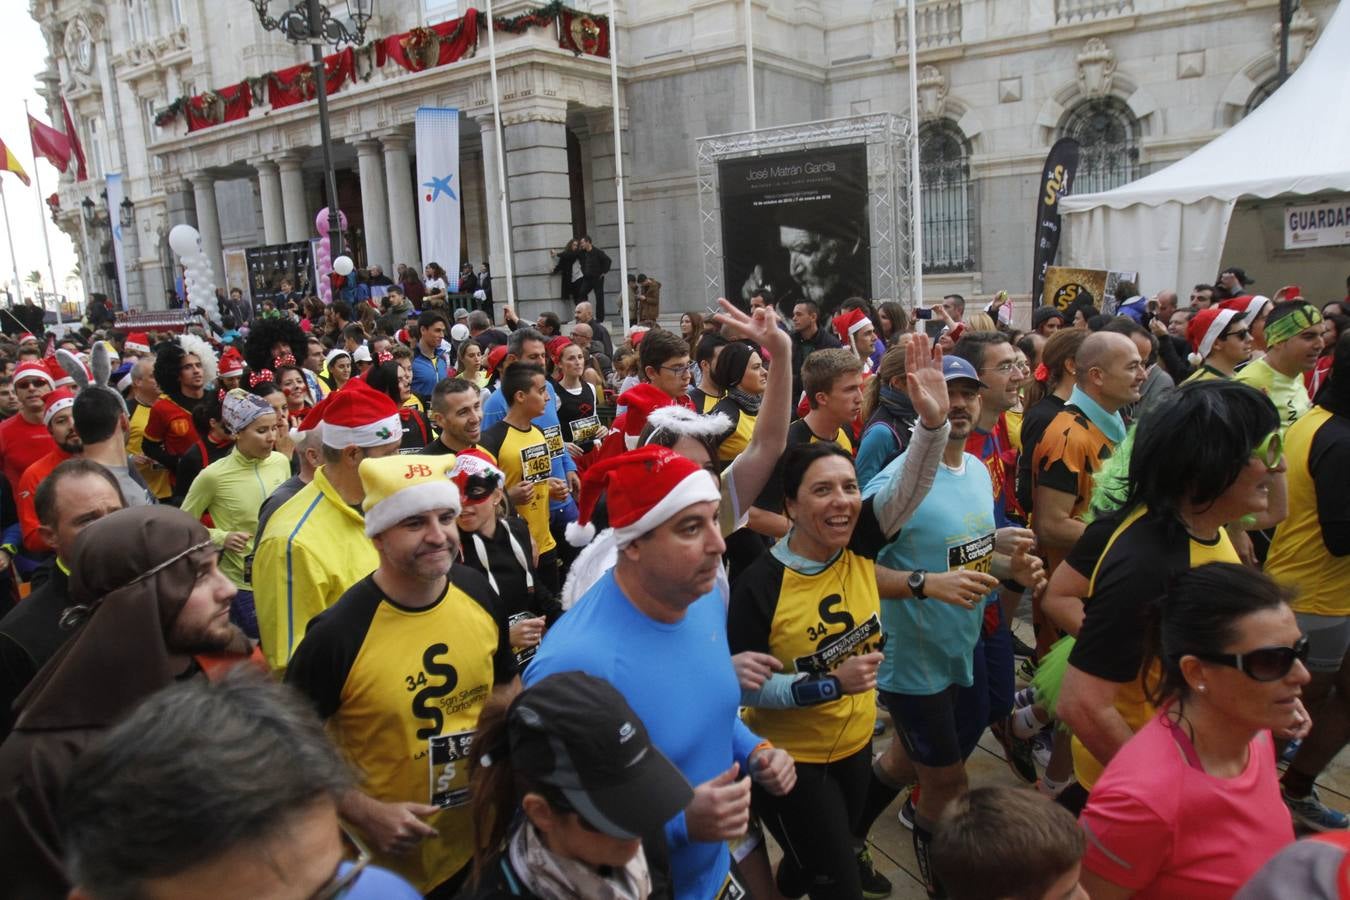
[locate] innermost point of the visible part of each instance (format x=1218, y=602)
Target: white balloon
x=184, y=240
x=343, y=265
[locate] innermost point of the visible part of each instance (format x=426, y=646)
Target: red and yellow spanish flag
x=10, y=163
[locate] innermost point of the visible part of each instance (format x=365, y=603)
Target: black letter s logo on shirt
x=420, y=706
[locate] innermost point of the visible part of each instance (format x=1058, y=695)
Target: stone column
x=296, y=215
x=402, y=223
x=492, y=186
x=374, y=205
x=604, y=189
x=541, y=208
x=269, y=195
x=208, y=222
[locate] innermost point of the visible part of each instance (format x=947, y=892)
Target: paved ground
x=892, y=843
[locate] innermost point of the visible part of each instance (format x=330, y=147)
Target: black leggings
x=814, y=823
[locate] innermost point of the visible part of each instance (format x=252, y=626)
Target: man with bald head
x=1081, y=437
x=584, y=312
x=583, y=335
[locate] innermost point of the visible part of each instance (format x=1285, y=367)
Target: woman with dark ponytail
x=565, y=785
x=1190, y=806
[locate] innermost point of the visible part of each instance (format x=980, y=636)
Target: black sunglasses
x=1263, y=664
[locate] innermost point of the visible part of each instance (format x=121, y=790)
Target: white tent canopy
x=1171, y=225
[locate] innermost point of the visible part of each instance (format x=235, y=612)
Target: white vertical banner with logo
x=438, y=189
x=115, y=220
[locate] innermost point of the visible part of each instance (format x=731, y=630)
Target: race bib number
x=535, y=463
x=972, y=556
x=586, y=429
x=731, y=889
x=856, y=640
x=553, y=436
x=523, y=654
x=449, y=770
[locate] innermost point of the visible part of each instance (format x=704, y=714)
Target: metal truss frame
x=888, y=138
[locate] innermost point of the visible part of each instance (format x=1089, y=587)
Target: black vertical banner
x=1056, y=182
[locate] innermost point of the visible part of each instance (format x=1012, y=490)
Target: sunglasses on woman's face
x=1264, y=664
x=1239, y=333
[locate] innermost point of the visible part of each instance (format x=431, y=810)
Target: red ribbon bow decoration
x=258, y=377
x=383, y=357
x=283, y=360
x=1042, y=374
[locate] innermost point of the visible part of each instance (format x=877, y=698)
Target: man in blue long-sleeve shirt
x=654, y=627
x=431, y=363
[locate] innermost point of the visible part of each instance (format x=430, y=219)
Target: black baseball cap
x=576, y=733
x=1239, y=274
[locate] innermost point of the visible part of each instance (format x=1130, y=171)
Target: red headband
x=258, y=377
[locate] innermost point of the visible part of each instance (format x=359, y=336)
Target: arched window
x=1261, y=94
x=947, y=198
x=1108, y=134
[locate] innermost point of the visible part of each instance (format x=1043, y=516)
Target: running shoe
x=878, y=728
x=1042, y=745
x=1024, y=698
x=1027, y=670
x=1022, y=648
x=1016, y=751
x=907, y=808
x=1311, y=813
x=1290, y=751
x=874, y=884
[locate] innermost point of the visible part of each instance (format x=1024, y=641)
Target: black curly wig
x=264, y=333
x=168, y=364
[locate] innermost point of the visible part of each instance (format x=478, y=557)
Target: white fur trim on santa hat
x=685, y=422
x=376, y=434
x=411, y=501
x=696, y=487
x=55, y=408
x=579, y=535
x=1215, y=329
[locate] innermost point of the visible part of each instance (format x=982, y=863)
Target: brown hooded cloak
x=133, y=570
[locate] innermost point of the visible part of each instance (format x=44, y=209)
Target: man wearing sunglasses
x=1220, y=342
x=1311, y=554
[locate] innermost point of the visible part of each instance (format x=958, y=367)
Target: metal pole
x=42, y=220
x=1287, y=8
x=618, y=161
x=501, y=160
x=749, y=62
x=915, y=212
x=329, y=175
x=9, y=236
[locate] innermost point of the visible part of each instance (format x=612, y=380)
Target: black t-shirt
x=416, y=431
x=495, y=558
x=1034, y=423
x=1140, y=556
x=577, y=414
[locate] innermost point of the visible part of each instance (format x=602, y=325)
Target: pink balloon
x=321, y=221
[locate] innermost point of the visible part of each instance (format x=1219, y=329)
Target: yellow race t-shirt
x=526, y=455
x=1317, y=449
x=401, y=690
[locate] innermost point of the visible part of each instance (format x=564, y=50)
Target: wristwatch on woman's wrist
x=916, y=581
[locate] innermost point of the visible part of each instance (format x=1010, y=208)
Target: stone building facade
x=1139, y=82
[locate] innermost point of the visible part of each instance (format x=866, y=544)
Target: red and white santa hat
x=1204, y=329
x=137, y=342
x=60, y=377
x=34, y=369
x=26, y=337
x=358, y=415
x=231, y=364
x=1249, y=307
x=56, y=401
x=641, y=400
x=846, y=325
x=642, y=488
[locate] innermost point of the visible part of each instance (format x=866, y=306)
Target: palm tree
x=35, y=279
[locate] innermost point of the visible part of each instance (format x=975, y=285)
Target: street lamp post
x=309, y=22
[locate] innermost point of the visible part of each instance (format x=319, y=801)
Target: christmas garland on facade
x=416, y=46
